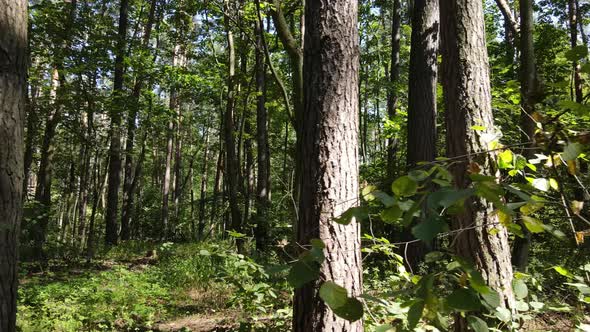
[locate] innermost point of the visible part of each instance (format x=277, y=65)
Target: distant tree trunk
x=13, y=87
x=263, y=156
x=422, y=137
x=232, y=165
x=30, y=138
x=509, y=19
x=128, y=188
x=466, y=82
x=204, y=181
x=573, y=25
x=529, y=88
x=329, y=181
x=114, y=175
x=165, y=214
x=392, y=95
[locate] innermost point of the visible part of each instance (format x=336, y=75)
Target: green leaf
x=563, y=271
x=204, y=252
x=446, y=197
x=572, y=151
x=477, y=324
x=478, y=128
x=463, y=299
x=503, y=314
x=385, y=328
x=359, y=213
x=505, y=159
x=415, y=313
x=491, y=298
x=391, y=215
x=352, y=310
x=302, y=272
x=429, y=229
x=533, y=225
x=335, y=296
x=404, y=186
x=520, y=289
x=541, y=184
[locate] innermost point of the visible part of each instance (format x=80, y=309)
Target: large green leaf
x=303, y=272
x=520, y=289
x=352, y=310
x=577, y=53
x=477, y=324
x=464, y=299
x=335, y=296
x=391, y=215
x=532, y=224
x=415, y=313
x=404, y=186
x=357, y=212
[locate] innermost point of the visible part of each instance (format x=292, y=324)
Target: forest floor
x=202, y=288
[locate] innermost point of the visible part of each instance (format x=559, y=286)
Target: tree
x=13, y=74
x=422, y=95
x=577, y=93
x=329, y=181
x=394, y=75
x=114, y=176
x=467, y=95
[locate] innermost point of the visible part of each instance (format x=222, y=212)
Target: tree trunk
x=422, y=137
x=13, y=87
x=466, y=83
x=573, y=25
x=529, y=87
x=128, y=188
x=203, y=191
x=114, y=174
x=263, y=157
x=232, y=165
x=329, y=181
x=392, y=96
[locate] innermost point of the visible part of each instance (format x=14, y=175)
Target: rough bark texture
x=509, y=19
x=392, y=96
x=13, y=69
x=466, y=84
x=329, y=182
x=114, y=175
x=422, y=98
x=422, y=82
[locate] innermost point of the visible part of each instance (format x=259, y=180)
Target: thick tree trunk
x=392, y=95
x=114, y=175
x=422, y=137
x=329, y=181
x=13, y=86
x=465, y=73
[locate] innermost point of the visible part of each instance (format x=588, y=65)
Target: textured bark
x=165, y=211
x=114, y=175
x=204, y=182
x=422, y=137
x=465, y=73
x=573, y=25
x=529, y=88
x=392, y=96
x=329, y=182
x=231, y=161
x=13, y=74
x=263, y=157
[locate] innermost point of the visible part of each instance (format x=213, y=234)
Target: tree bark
x=13, y=86
x=114, y=175
x=422, y=136
x=573, y=25
x=263, y=156
x=329, y=181
x=232, y=165
x=392, y=96
x=467, y=95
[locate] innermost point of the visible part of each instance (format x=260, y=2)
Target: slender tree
x=114, y=174
x=465, y=73
x=13, y=74
x=394, y=76
x=577, y=93
x=329, y=181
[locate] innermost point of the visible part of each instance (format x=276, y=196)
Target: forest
x=294, y=165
